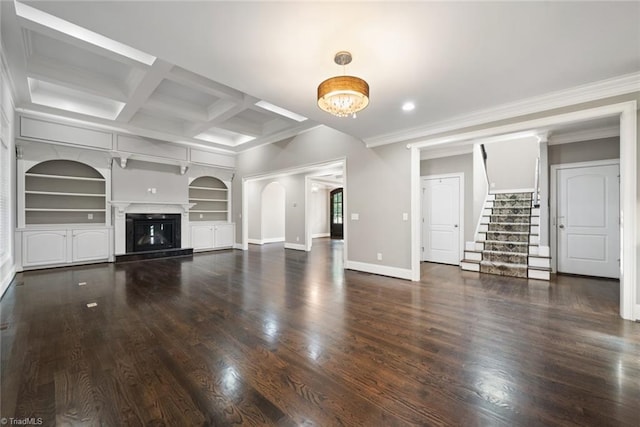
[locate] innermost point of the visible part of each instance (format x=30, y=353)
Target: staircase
x=508, y=241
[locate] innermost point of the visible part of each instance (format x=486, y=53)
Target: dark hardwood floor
x=275, y=337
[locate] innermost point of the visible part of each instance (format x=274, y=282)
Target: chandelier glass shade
x=343, y=96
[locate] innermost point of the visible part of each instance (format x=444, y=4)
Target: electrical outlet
x=92, y=304
x=297, y=238
x=405, y=216
x=82, y=283
x=200, y=216
x=379, y=256
x=89, y=216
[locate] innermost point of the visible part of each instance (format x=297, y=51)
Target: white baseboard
x=273, y=240
x=317, y=235
x=295, y=246
x=6, y=280
x=265, y=241
x=383, y=270
x=238, y=246
x=637, y=313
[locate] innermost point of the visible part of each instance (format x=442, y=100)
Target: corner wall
x=377, y=189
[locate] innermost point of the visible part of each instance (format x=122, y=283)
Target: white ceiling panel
x=216, y=60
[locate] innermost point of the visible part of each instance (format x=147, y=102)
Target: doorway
x=441, y=221
x=586, y=221
x=336, y=214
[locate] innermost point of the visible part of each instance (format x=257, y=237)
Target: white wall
x=319, y=212
x=512, y=164
x=7, y=169
x=273, y=212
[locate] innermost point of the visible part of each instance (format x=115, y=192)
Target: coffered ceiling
x=233, y=75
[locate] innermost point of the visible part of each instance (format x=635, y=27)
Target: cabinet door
x=44, y=247
x=201, y=237
x=89, y=245
x=223, y=236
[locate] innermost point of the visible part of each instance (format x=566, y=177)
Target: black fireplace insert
x=152, y=232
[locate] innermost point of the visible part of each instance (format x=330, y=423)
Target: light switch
x=355, y=217
x=405, y=216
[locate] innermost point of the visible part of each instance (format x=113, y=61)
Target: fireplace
x=152, y=232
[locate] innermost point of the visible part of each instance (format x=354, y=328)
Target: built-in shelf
x=64, y=192
x=62, y=210
x=74, y=178
x=55, y=193
x=192, y=187
x=210, y=198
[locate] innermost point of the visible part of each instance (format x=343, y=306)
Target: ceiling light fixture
x=408, y=106
x=343, y=96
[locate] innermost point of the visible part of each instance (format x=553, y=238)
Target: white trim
x=383, y=270
x=626, y=111
x=637, y=313
x=460, y=176
x=7, y=279
x=628, y=209
x=266, y=241
x=295, y=246
x=454, y=151
x=318, y=235
x=566, y=118
x=513, y=190
x=584, y=135
x=620, y=85
x=416, y=210
x=237, y=246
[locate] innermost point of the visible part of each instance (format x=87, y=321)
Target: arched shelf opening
x=64, y=192
x=211, y=198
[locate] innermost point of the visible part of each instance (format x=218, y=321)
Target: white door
x=441, y=220
x=588, y=227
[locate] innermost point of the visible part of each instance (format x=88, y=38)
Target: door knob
x=455, y=225
x=561, y=226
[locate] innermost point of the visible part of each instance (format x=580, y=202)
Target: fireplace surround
x=152, y=232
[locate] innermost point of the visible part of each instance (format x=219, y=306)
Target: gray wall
x=456, y=164
x=511, y=165
x=377, y=188
x=273, y=211
x=132, y=182
x=585, y=151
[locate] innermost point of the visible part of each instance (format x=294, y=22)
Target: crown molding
x=585, y=135
x=620, y=85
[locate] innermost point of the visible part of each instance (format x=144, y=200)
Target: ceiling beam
x=141, y=93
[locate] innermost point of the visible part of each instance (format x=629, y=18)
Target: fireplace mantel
x=124, y=207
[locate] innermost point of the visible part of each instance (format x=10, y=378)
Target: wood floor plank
x=280, y=337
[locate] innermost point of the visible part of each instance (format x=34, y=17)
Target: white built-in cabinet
x=209, y=214
x=57, y=246
x=208, y=236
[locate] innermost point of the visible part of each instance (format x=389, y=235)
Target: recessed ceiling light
x=408, y=106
